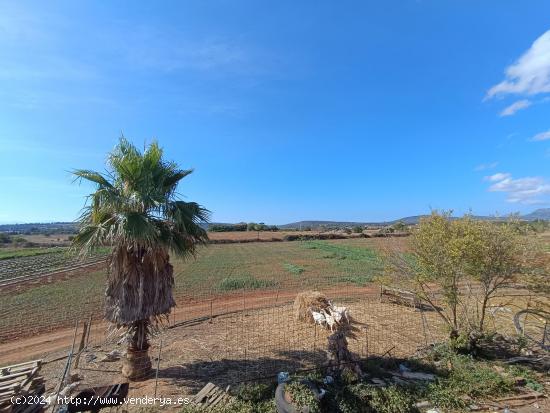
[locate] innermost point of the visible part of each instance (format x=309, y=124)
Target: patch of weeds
x=250, y=398
x=237, y=406
x=392, y=399
x=302, y=397
x=244, y=282
x=467, y=378
x=359, y=264
x=529, y=376
x=359, y=279
x=255, y=392
x=293, y=269
x=365, y=398
x=343, y=252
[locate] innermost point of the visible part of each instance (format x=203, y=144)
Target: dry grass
x=57, y=239
x=308, y=301
x=254, y=344
x=254, y=235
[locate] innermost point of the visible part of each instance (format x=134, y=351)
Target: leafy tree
x=399, y=226
x=446, y=254
x=136, y=210
x=493, y=255
x=358, y=229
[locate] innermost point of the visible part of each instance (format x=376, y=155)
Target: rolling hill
x=68, y=227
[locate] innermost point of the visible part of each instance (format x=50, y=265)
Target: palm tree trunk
x=137, y=364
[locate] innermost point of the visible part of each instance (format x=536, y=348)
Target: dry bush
x=307, y=301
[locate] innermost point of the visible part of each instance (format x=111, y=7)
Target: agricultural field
x=218, y=270
x=7, y=253
x=43, y=239
x=34, y=262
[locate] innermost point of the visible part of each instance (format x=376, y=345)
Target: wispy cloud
x=514, y=107
x=51, y=60
x=497, y=177
x=530, y=74
x=528, y=190
x=486, y=166
x=153, y=48
x=543, y=136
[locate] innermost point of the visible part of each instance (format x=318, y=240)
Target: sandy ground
x=250, y=344
x=28, y=348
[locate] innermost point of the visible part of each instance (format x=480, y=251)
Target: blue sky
x=366, y=110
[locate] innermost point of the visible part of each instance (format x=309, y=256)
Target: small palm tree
x=137, y=212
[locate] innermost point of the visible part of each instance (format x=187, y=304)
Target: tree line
x=242, y=226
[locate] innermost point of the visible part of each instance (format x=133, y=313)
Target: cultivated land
x=37, y=319
x=218, y=270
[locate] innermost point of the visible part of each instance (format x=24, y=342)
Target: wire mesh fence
x=233, y=323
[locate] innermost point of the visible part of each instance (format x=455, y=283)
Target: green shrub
x=244, y=282
x=303, y=397
x=528, y=375
x=293, y=269
x=467, y=377
x=255, y=392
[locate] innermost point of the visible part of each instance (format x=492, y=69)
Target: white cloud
x=543, y=136
x=514, y=107
x=486, y=166
x=530, y=74
x=528, y=190
x=497, y=177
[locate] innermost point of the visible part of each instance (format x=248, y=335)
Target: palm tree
x=136, y=210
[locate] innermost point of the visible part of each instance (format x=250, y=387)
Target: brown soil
x=26, y=348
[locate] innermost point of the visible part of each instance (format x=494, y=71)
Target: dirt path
x=59, y=341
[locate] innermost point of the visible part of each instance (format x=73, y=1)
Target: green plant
x=255, y=392
x=392, y=399
x=244, y=282
x=237, y=406
x=466, y=377
x=528, y=375
x=293, y=269
x=447, y=252
x=302, y=396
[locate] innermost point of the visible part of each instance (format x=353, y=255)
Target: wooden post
x=67, y=368
x=89, y=330
x=81, y=346
x=158, y=365
x=211, y=312
x=72, y=348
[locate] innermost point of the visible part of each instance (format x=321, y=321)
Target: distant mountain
x=328, y=224
x=40, y=227
x=542, y=213
x=71, y=227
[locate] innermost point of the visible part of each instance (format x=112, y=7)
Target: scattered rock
x=526, y=352
x=423, y=404
x=112, y=356
x=74, y=377
x=90, y=357
x=413, y=375
x=378, y=382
